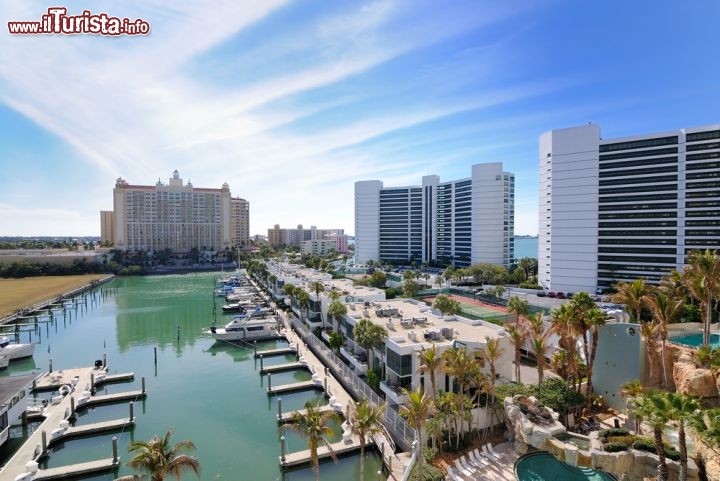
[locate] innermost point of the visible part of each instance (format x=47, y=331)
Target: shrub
x=615, y=447
x=648, y=444
x=605, y=433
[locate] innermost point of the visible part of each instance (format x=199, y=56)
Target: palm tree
x=562, y=325
x=313, y=425
x=649, y=333
x=317, y=287
x=587, y=319
x=337, y=310
x=368, y=335
x=461, y=364
x=706, y=425
x=652, y=409
x=417, y=411
x=302, y=298
x=681, y=409
x=665, y=310
x=630, y=391
x=430, y=362
x=492, y=354
x=633, y=295
x=539, y=343
x=159, y=459
x=517, y=333
x=520, y=307
x=701, y=276
x=366, y=421
x=446, y=305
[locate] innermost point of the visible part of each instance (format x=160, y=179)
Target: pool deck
x=501, y=470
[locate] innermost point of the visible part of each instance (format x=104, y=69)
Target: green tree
x=651, y=408
x=430, y=362
x=706, y=425
x=160, y=459
x=336, y=340
x=680, y=409
x=446, y=305
x=410, y=288
x=417, y=412
x=518, y=334
x=539, y=342
x=302, y=298
x=633, y=295
x=587, y=320
x=665, y=309
x=520, y=307
x=315, y=426
x=366, y=421
x=369, y=335
x=701, y=277
x=337, y=311
x=461, y=364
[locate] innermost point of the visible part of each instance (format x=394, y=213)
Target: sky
x=292, y=102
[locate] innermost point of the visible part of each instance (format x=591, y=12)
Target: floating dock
x=113, y=398
x=283, y=367
x=296, y=386
x=86, y=429
x=74, y=470
x=287, y=417
x=338, y=448
x=283, y=351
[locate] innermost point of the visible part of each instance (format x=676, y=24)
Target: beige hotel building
x=174, y=216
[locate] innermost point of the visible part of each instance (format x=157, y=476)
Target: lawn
x=21, y=293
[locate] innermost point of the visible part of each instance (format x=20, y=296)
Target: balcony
x=357, y=361
x=314, y=324
x=394, y=393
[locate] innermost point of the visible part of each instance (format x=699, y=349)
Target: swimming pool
x=695, y=340
x=542, y=466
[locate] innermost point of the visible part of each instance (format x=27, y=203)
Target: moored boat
x=247, y=328
x=15, y=351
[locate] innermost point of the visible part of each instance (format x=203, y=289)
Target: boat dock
x=283, y=351
x=283, y=367
x=295, y=386
x=340, y=447
x=113, y=398
x=287, y=417
x=54, y=380
x=55, y=426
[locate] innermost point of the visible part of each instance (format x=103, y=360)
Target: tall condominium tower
x=459, y=222
x=239, y=221
x=173, y=216
x=625, y=208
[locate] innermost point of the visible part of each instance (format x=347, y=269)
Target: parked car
x=541, y=294
x=552, y=294
x=560, y=295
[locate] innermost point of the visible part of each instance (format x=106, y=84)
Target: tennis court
x=476, y=309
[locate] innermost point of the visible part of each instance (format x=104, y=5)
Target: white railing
x=394, y=423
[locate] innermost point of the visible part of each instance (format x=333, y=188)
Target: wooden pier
x=287, y=417
x=74, y=470
x=283, y=351
x=339, y=448
x=296, y=386
x=283, y=367
x=71, y=377
x=110, y=378
x=86, y=429
x=112, y=398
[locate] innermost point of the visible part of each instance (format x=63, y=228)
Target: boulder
x=692, y=380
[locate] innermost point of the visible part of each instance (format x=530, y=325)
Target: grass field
x=21, y=293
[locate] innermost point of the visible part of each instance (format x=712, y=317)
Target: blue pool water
x=695, y=340
x=542, y=466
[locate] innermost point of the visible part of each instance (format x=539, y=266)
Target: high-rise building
x=169, y=216
x=625, y=208
x=278, y=236
x=239, y=221
x=459, y=222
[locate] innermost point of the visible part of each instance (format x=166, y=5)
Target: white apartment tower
x=459, y=222
x=239, y=221
x=626, y=208
x=170, y=216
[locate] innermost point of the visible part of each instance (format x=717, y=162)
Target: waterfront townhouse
x=624, y=208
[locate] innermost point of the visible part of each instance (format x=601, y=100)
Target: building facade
x=459, y=222
x=170, y=216
x=239, y=221
x=318, y=247
x=278, y=236
x=626, y=208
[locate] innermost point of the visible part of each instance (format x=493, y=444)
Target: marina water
x=206, y=392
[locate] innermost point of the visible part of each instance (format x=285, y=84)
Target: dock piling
x=92, y=382
x=155, y=349
x=178, y=334
x=44, y=443
x=72, y=406
x=282, y=449
x=279, y=408
x=325, y=385
x=114, y=449
x=261, y=362
x=50, y=370
x=104, y=360
x=143, y=384
x=131, y=412
x=255, y=347
x=269, y=382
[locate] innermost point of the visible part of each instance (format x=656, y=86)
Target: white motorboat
x=247, y=328
x=15, y=351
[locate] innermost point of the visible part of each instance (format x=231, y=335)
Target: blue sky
x=292, y=102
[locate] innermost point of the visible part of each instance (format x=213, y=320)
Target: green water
x=543, y=466
x=208, y=393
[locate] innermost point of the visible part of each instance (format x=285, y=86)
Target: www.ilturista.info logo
x=57, y=21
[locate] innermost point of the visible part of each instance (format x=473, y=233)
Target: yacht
x=247, y=328
x=13, y=390
x=15, y=351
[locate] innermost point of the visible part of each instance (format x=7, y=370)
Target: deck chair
x=462, y=470
x=479, y=458
x=493, y=452
x=488, y=454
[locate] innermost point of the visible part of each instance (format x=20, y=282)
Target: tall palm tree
x=461, y=364
x=650, y=333
x=587, y=319
x=430, y=362
x=651, y=408
x=366, y=421
x=632, y=294
x=159, y=459
x=665, y=310
x=336, y=311
x=701, y=276
x=706, y=425
x=302, y=298
x=630, y=391
x=313, y=425
x=681, y=409
x=518, y=334
x=417, y=412
x=493, y=352
x=539, y=342
x=562, y=325
x=317, y=287
x=520, y=307
x=369, y=335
